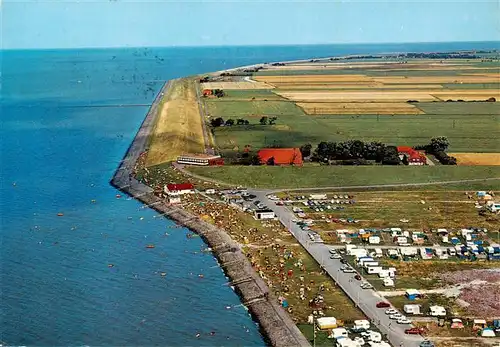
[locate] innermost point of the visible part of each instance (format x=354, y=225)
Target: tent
x=456, y=323
x=487, y=332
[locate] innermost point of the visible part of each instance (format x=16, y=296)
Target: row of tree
x=219, y=121
x=354, y=152
x=437, y=147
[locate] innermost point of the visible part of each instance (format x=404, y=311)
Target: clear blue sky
x=119, y=23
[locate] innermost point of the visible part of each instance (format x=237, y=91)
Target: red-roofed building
x=179, y=189
x=282, y=156
x=414, y=157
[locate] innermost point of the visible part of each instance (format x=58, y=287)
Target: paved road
x=365, y=299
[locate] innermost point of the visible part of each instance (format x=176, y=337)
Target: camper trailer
x=412, y=309
x=437, y=311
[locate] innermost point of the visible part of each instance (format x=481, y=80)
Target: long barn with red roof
x=280, y=156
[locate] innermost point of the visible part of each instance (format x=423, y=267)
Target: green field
x=339, y=176
x=248, y=94
x=470, y=127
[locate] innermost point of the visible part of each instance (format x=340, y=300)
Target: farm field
x=389, y=95
x=340, y=176
x=249, y=95
x=235, y=85
x=477, y=158
x=178, y=128
x=358, y=108
x=466, y=134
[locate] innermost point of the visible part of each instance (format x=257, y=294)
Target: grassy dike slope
x=178, y=128
x=340, y=176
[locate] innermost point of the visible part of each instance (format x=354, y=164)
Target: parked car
x=391, y=311
x=343, y=261
x=396, y=316
x=415, y=331
x=382, y=304
x=358, y=277
x=404, y=320
x=426, y=343
x=335, y=256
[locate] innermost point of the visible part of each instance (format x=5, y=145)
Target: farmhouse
x=280, y=156
x=178, y=189
x=200, y=159
x=414, y=157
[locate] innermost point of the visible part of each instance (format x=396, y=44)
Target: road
x=364, y=299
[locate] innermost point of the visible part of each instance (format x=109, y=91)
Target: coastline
x=276, y=326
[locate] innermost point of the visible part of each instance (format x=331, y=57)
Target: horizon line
x=248, y=45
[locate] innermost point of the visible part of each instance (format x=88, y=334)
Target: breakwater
x=275, y=324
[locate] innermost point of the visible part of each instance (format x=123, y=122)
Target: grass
x=336, y=176
x=442, y=209
x=470, y=127
x=247, y=94
x=256, y=109
x=178, y=128
x=429, y=300
x=321, y=338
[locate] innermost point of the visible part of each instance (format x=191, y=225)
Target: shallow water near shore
x=86, y=277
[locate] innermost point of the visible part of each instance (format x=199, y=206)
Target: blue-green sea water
x=59, y=148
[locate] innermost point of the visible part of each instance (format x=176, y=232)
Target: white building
x=264, y=214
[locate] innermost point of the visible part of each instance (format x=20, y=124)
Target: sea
x=75, y=270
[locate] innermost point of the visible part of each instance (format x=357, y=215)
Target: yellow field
x=387, y=95
x=359, y=85
x=477, y=158
x=486, y=78
x=359, y=108
x=235, y=85
x=303, y=79
x=357, y=96
x=178, y=129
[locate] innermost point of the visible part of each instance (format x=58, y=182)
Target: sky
x=126, y=23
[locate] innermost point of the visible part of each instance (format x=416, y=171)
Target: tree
x=439, y=144
x=263, y=120
x=270, y=161
x=219, y=93
x=255, y=160
x=217, y=122
x=240, y=121
x=272, y=120
x=405, y=160
x=247, y=122
x=230, y=122
x=305, y=150
x=391, y=156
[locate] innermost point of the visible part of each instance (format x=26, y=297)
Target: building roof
x=412, y=153
x=282, y=156
x=198, y=156
x=264, y=211
x=180, y=186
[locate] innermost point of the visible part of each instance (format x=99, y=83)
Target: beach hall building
x=200, y=159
